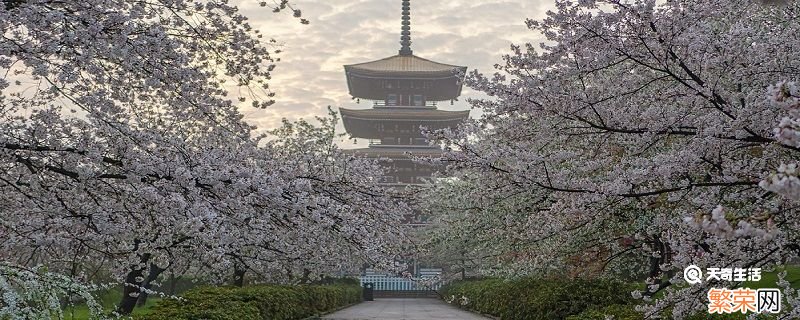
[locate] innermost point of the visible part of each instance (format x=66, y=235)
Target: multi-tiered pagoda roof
x=405, y=90
x=397, y=74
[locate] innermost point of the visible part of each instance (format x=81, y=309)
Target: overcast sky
x=310, y=76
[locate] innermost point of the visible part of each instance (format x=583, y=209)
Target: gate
x=425, y=285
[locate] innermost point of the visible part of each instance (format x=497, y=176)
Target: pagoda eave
x=403, y=64
x=455, y=73
x=396, y=153
x=404, y=74
x=404, y=114
x=378, y=123
x=435, y=88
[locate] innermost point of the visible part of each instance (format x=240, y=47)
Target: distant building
x=404, y=90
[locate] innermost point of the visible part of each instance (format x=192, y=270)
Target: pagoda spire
x=405, y=35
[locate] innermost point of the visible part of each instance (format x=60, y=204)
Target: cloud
x=310, y=76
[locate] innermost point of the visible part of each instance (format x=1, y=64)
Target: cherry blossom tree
x=459, y=240
x=38, y=294
x=786, y=96
x=122, y=149
x=635, y=140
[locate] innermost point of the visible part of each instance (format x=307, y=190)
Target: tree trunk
x=655, y=274
x=155, y=271
x=463, y=266
x=306, y=276
x=130, y=290
x=238, y=274
x=173, y=281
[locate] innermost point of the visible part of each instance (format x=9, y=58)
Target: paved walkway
x=403, y=309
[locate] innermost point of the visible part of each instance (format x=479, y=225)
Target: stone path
x=403, y=309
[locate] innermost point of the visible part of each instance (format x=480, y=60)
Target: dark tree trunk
x=130, y=290
x=238, y=274
x=173, y=281
x=155, y=271
x=306, y=276
x=463, y=266
x=655, y=274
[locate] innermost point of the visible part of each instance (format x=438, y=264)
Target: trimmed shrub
x=339, y=281
x=263, y=302
x=537, y=298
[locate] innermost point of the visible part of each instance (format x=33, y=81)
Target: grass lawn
x=109, y=300
x=768, y=279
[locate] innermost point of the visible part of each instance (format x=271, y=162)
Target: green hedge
x=263, y=302
x=538, y=298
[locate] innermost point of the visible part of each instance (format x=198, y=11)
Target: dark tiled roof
x=404, y=114
x=396, y=152
x=405, y=64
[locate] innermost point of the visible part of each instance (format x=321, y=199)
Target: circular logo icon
x=693, y=274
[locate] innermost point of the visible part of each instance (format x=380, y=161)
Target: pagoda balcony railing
x=379, y=143
x=383, y=104
x=393, y=181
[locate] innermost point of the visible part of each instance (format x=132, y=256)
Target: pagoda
x=404, y=90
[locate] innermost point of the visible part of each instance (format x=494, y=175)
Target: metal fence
x=387, y=283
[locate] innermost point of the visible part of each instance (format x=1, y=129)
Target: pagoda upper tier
x=398, y=122
x=405, y=80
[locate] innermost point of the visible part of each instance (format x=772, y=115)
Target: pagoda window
x=391, y=100
x=419, y=100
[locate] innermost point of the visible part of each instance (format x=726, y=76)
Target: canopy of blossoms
x=642, y=137
x=121, y=149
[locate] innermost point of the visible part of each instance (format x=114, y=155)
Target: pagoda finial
x=405, y=35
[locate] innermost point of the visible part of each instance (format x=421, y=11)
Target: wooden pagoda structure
x=404, y=90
